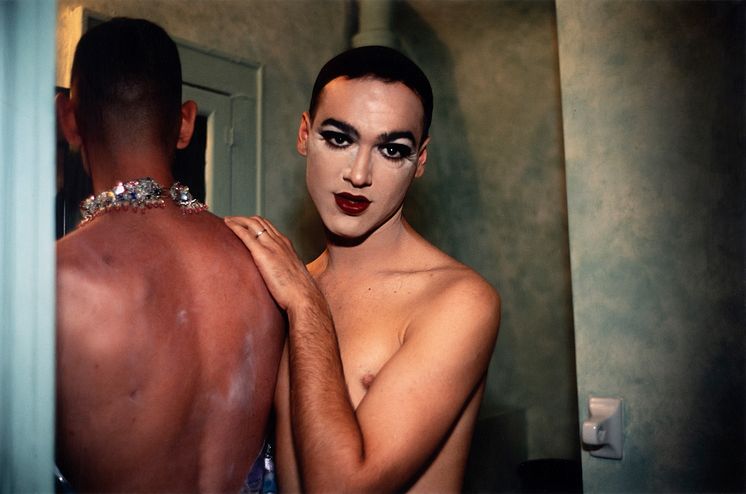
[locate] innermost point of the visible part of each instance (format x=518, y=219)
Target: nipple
x=367, y=380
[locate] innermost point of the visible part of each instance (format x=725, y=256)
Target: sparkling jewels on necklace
x=138, y=194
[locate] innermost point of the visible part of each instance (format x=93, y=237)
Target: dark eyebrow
x=392, y=136
x=343, y=126
x=385, y=137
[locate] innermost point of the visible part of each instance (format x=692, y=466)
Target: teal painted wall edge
x=27, y=149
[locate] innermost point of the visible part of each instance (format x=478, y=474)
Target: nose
x=359, y=173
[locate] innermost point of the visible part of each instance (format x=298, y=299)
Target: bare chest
x=371, y=323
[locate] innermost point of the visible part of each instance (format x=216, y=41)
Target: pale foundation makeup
x=362, y=153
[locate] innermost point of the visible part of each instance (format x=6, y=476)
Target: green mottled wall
x=653, y=105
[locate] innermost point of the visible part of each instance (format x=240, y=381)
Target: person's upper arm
x=288, y=478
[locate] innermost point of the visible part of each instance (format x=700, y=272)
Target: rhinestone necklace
x=138, y=194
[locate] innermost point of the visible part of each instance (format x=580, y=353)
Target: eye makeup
x=396, y=152
x=335, y=139
x=340, y=135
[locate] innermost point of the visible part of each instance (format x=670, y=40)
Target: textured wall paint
x=493, y=196
x=653, y=104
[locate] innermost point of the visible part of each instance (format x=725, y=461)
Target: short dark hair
x=127, y=69
x=381, y=63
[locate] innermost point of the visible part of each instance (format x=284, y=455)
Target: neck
x=373, y=252
x=106, y=168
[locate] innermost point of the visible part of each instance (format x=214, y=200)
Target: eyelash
x=391, y=151
x=399, y=150
x=330, y=136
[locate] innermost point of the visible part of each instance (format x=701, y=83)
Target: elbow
x=346, y=480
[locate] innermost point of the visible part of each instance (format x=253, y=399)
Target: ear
x=421, y=158
x=66, y=118
x=301, y=144
x=188, y=116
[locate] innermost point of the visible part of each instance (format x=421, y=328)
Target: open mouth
x=351, y=204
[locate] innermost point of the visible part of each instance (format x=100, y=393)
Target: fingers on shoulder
x=261, y=226
x=246, y=221
x=249, y=228
x=237, y=220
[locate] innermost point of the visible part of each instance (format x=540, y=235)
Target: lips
x=351, y=204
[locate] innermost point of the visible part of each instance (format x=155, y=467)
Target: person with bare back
x=168, y=341
x=389, y=338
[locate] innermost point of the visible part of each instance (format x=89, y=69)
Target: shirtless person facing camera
x=389, y=338
x=168, y=341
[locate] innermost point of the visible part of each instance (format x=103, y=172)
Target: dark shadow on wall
x=445, y=207
x=498, y=446
x=571, y=369
x=720, y=84
x=441, y=205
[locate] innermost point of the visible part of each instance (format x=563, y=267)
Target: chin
x=349, y=228
x=347, y=233
x=346, y=240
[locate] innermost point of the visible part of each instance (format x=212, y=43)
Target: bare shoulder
x=143, y=263
x=95, y=289
x=87, y=267
x=450, y=279
x=150, y=246
x=456, y=296
x=219, y=248
x=458, y=280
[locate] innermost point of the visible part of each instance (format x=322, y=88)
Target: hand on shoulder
x=284, y=273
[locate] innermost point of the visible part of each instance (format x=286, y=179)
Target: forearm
x=328, y=439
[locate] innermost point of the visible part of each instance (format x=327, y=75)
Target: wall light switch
x=603, y=430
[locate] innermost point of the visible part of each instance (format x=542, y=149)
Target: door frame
x=27, y=262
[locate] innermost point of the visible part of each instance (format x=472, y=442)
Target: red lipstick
x=351, y=204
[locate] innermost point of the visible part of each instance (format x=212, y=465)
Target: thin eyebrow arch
x=343, y=126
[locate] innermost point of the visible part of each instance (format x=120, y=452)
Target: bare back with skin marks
x=168, y=345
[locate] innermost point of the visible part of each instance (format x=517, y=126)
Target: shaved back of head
x=126, y=84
